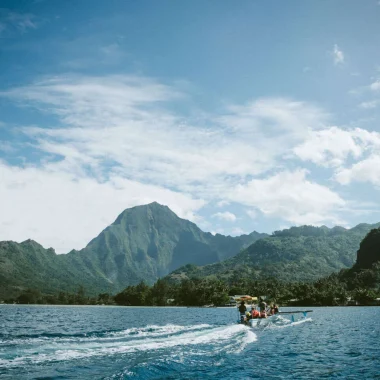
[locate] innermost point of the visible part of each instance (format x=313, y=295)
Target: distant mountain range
x=149, y=242
x=297, y=254
x=144, y=243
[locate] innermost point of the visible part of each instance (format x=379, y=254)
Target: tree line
x=361, y=285
x=35, y=296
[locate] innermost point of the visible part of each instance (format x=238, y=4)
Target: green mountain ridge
x=144, y=243
x=148, y=242
x=369, y=251
x=303, y=253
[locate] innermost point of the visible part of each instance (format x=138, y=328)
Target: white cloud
x=223, y=203
x=227, y=216
x=290, y=196
x=218, y=231
x=370, y=104
x=237, y=231
x=332, y=146
x=252, y=213
x=375, y=86
x=367, y=170
x=124, y=121
x=264, y=116
x=338, y=55
x=119, y=137
x=63, y=211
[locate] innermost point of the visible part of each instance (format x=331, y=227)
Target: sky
x=239, y=116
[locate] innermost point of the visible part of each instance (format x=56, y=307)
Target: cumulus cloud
x=291, y=196
x=338, y=55
x=332, y=146
x=227, y=216
x=366, y=170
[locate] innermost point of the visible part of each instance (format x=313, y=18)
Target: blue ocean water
x=105, y=342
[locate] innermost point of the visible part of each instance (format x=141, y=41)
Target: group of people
x=263, y=311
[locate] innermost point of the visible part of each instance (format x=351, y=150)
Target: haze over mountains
x=150, y=241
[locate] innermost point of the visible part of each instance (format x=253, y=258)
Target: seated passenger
x=255, y=314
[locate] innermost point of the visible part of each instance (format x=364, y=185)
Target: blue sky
x=239, y=116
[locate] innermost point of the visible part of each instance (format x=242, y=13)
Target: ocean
x=106, y=342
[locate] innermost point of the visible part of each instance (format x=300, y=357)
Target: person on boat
x=242, y=310
x=254, y=313
x=263, y=314
x=263, y=307
x=274, y=309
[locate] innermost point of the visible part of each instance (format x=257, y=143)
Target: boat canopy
x=245, y=298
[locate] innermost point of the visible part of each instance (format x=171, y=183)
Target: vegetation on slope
x=144, y=243
x=359, y=284
x=297, y=254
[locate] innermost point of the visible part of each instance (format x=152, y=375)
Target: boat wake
x=280, y=322
x=194, y=339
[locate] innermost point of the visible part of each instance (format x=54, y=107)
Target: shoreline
x=177, y=307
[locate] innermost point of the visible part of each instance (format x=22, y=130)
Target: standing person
x=242, y=310
x=262, y=306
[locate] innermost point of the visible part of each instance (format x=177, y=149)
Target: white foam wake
x=232, y=338
x=281, y=322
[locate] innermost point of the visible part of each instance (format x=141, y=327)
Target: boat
x=277, y=317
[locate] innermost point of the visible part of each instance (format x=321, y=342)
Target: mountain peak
x=144, y=210
x=31, y=242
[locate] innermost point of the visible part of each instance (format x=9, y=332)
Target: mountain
x=144, y=243
x=148, y=242
x=297, y=254
x=29, y=265
x=369, y=251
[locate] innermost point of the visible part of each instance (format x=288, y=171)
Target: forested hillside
x=303, y=253
x=144, y=243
